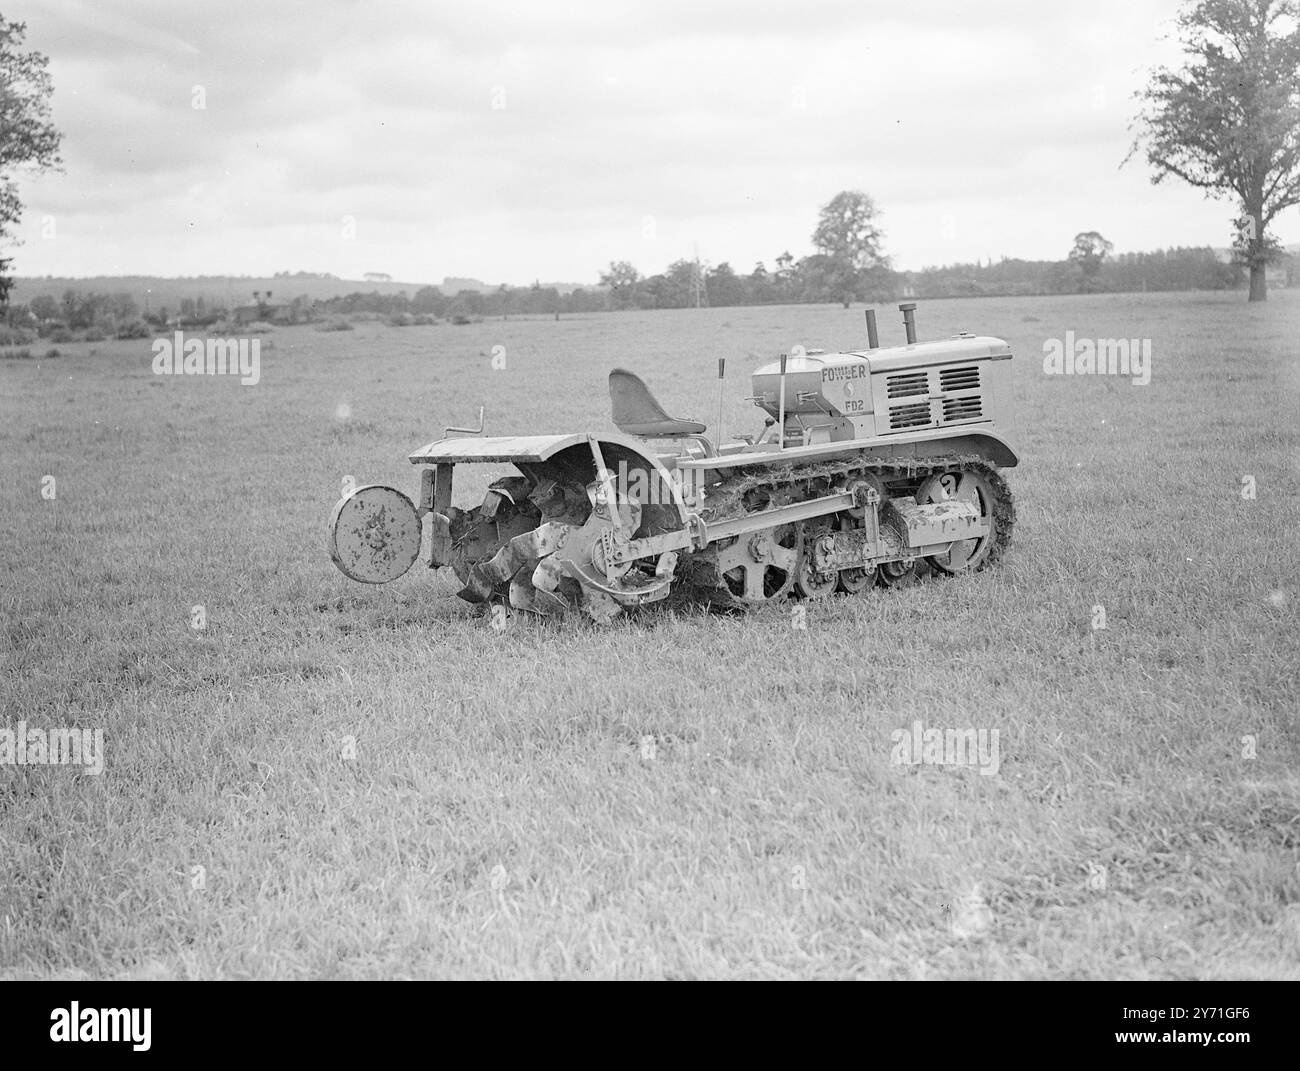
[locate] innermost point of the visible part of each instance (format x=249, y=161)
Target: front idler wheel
x=983, y=488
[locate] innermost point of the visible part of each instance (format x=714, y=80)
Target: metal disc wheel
x=374, y=534
x=760, y=567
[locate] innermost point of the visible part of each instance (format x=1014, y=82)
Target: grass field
x=672, y=796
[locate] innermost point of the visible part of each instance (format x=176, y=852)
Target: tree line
x=797, y=282
x=1090, y=268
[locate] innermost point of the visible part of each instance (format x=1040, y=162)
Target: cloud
x=520, y=140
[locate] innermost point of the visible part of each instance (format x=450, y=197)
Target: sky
x=513, y=142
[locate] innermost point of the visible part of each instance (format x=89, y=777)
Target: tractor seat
x=636, y=412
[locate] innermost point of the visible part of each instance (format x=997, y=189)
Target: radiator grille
x=910, y=397
x=909, y=415
x=961, y=408
x=906, y=385
x=966, y=378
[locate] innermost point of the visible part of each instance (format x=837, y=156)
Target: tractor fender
x=571, y=454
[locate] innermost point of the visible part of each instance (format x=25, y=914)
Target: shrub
x=60, y=334
x=94, y=334
x=336, y=324
x=424, y=320
x=51, y=353
x=23, y=354
x=401, y=319
x=257, y=327
x=16, y=336
x=129, y=329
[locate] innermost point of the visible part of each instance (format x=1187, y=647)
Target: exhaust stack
x=908, y=309
x=873, y=339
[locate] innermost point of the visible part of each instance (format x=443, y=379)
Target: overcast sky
x=519, y=141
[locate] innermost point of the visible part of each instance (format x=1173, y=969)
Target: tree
x=429, y=299
x=760, y=285
x=725, y=287
x=820, y=278
x=849, y=241
x=1089, y=252
x=672, y=288
x=27, y=137
x=622, y=282
x=44, y=307
x=502, y=302
x=1228, y=122
x=783, y=284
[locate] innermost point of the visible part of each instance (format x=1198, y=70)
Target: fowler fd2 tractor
x=869, y=464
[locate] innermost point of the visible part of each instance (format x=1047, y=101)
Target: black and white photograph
x=640, y=491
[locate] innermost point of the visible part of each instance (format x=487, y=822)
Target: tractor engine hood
x=815, y=382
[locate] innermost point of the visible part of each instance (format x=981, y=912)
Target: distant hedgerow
x=16, y=336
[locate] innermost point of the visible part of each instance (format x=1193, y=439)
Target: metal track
x=511, y=564
x=778, y=484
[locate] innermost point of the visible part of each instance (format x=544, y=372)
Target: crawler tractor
x=869, y=464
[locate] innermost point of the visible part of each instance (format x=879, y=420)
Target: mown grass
x=677, y=795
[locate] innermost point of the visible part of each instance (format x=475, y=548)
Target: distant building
x=451, y=286
x=377, y=277
x=271, y=314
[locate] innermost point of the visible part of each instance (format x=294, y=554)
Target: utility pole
x=699, y=292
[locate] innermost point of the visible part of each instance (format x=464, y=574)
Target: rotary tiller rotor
x=545, y=542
